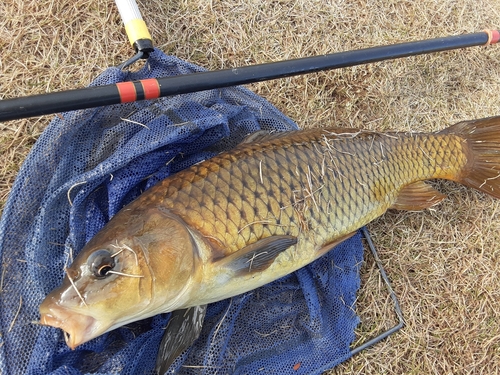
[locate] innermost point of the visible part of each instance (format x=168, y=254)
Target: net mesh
x=88, y=164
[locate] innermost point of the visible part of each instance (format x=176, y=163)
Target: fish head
x=143, y=262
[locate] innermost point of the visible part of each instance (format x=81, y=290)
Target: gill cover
x=140, y=264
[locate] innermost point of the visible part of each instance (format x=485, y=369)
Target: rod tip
x=493, y=36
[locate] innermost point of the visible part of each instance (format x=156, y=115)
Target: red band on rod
x=127, y=92
x=495, y=36
x=151, y=88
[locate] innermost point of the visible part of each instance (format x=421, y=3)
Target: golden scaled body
x=320, y=183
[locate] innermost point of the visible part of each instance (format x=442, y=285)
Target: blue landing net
x=85, y=167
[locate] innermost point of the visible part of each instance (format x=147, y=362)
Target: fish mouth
x=78, y=328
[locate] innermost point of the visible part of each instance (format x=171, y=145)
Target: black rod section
x=63, y=101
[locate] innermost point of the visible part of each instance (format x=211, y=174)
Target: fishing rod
x=154, y=88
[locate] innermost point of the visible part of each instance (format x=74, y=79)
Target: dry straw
x=444, y=262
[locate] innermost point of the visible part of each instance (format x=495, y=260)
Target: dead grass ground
x=444, y=263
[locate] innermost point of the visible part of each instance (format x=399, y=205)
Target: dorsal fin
x=417, y=196
x=263, y=136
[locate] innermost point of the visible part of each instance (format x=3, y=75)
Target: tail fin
x=482, y=171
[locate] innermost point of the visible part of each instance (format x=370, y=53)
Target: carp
x=253, y=214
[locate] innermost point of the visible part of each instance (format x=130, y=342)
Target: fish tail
x=482, y=150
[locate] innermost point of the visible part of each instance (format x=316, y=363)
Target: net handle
x=135, y=27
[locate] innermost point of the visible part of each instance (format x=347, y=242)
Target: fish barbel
x=256, y=213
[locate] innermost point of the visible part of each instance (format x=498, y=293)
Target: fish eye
x=100, y=263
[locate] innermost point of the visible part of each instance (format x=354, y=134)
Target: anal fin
x=257, y=256
x=329, y=246
x=417, y=196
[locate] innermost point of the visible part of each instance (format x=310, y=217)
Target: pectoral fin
x=257, y=256
x=182, y=330
x=417, y=196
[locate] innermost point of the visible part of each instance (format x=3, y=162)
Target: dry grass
x=444, y=263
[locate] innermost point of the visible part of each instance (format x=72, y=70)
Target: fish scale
x=277, y=187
